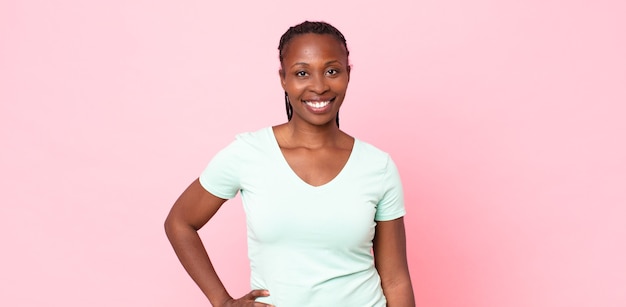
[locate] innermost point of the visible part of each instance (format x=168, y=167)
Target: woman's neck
x=295, y=134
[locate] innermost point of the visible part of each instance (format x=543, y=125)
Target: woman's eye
x=332, y=71
x=301, y=74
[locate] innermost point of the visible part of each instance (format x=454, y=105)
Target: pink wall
x=506, y=120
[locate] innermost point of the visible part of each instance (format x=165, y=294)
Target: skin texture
x=314, y=68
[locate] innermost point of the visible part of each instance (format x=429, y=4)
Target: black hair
x=316, y=27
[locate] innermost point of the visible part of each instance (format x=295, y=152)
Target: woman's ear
x=281, y=74
x=349, y=69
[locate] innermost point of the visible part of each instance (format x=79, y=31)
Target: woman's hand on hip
x=248, y=300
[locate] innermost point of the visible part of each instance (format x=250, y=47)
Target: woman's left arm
x=391, y=263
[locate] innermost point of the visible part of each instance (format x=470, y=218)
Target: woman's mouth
x=317, y=104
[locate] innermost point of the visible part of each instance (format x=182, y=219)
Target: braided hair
x=315, y=27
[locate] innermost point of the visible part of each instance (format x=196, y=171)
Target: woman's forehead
x=314, y=45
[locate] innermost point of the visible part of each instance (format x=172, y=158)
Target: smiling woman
x=315, y=75
x=317, y=200
x=336, y=65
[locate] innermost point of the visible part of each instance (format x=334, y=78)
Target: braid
x=288, y=107
x=316, y=27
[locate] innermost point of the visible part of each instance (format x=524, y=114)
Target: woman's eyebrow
x=307, y=64
x=300, y=64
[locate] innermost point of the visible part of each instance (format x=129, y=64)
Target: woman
x=317, y=200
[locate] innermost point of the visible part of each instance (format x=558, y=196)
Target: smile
x=318, y=104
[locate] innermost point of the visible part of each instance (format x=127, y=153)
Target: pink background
x=506, y=119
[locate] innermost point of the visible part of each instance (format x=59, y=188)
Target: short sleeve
x=221, y=176
x=391, y=205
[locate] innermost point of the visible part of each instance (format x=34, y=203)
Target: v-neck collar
x=286, y=165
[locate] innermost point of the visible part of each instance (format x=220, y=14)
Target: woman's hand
x=248, y=300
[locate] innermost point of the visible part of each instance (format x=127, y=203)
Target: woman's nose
x=319, y=84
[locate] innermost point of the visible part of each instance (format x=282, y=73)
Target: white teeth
x=317, y=105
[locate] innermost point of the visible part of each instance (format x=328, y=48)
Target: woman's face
x=315, y=75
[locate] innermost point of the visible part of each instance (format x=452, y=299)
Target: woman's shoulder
x=261, y=135
x=371, y=149
x=370, y=153
x=261, y=139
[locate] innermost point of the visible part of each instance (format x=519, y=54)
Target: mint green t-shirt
x=309, y=246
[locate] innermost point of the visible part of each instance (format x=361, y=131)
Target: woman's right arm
x=190, y=212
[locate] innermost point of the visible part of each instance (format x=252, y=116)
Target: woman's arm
x=190, y=212
x=391, y=263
